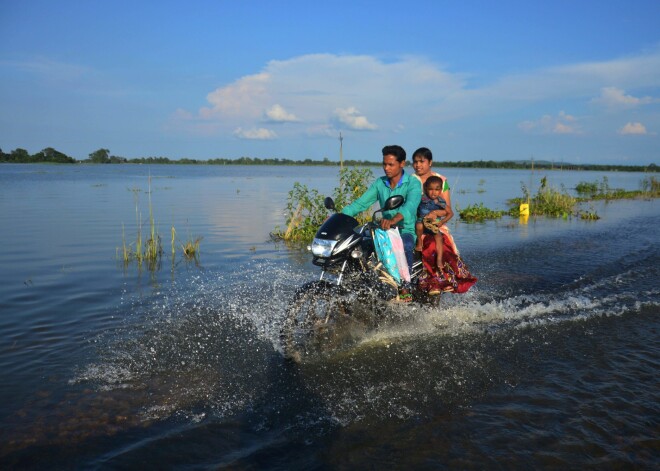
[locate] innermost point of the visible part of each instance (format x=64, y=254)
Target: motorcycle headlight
x=323, y=247
x=357, y=253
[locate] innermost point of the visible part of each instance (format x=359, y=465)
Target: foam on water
x=209, y=347
x=204, y=343
x=478, y=311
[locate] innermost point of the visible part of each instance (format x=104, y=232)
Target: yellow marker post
x=524, y=209
x=524, y=213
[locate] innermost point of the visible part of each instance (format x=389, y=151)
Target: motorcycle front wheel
x=315, y=320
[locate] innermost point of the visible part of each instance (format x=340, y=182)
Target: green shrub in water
x=479, y=213
x=552, y=202
x=305, y=209
x=649, y=188
x=547, y=202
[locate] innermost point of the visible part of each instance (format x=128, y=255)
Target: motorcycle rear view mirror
x=393, y=202
x=329, y=203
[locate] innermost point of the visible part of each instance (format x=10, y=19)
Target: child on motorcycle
x=431, y=210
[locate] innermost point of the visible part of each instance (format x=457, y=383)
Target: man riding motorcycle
x=395, y=182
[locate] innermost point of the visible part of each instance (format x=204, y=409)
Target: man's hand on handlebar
x=386, y=224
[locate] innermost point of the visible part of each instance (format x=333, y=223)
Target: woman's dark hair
x=396, y=151
x=423, y=152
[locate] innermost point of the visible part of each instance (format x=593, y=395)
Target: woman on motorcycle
x=395, y=182
x=444, y=266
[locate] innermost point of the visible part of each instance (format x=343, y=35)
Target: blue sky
x=568, y=81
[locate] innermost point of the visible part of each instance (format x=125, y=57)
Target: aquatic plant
x=153, y=247
x=191, y=248
x=172, y=241
x=149, y=250
x=584, y=188
x=128, y=253
x=305, y=210
x=481, y=184
x=589, y=215
x=126, y=250
x=599, y=190
x=551, y=201
x=548, y=201
x=352, y=183
x=479, y=213
x=649, y=188
x=557, y=202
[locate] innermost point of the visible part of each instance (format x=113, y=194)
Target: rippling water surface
x=550, y=361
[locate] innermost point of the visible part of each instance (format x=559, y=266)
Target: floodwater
x=550, y=361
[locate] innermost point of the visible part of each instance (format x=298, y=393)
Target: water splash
x=207, y=348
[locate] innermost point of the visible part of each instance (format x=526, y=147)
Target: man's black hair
x=396, y=151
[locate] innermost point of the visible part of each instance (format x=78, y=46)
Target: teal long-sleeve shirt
x=409, y=187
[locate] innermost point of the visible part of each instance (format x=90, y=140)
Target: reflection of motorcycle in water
x=351, y=291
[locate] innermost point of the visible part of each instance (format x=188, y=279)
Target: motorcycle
x=350, y=294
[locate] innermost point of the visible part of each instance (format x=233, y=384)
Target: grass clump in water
x=479, y=213
x=589, y=215
x=150, y=251
x=305, y=210
x=548, y=201
x=552, y=202
x=649, y=188
x=153, y=247
x=190, y=247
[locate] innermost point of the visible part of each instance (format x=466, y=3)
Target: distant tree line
x=47, y=155
x=546, y=165
x=102, y=156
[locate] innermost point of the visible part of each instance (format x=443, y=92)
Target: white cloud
x=244, y=97
x=317, y=85
x=615, y=97
x=569, y=82
x=561, y=128
x=259, y=134
x=278, y=114
x=633, y=128
x=352, y=118
x=182, y=114
x=412, y=97
x=563, y=123
x=567, y=117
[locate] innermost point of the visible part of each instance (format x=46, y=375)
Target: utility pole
x=341, y=152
